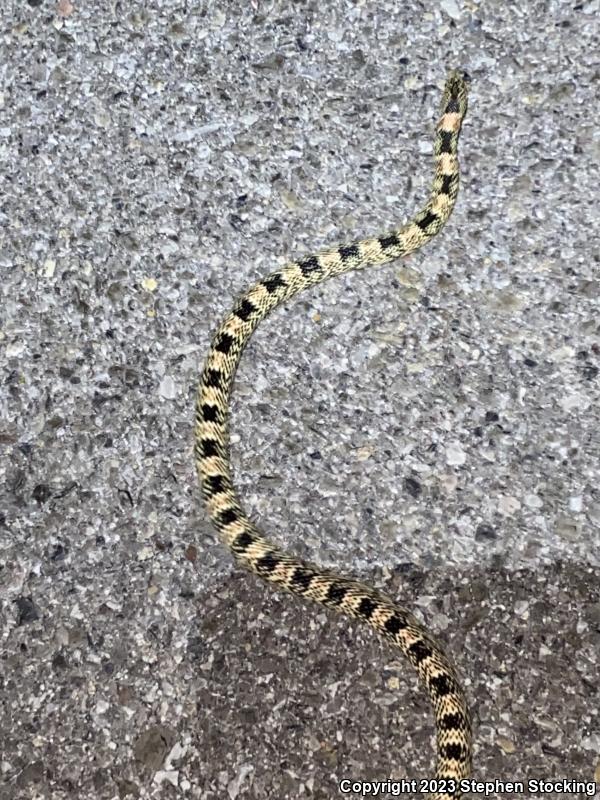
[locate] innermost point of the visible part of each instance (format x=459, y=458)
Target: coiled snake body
x=247, y=544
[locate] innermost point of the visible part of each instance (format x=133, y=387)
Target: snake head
x=456, y=90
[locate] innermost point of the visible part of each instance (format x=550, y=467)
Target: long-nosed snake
x=247, y=544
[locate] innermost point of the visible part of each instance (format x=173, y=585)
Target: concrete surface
x=431, y=426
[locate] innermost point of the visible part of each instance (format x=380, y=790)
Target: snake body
x=248, y=546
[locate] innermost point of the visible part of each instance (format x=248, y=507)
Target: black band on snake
x=247, y=544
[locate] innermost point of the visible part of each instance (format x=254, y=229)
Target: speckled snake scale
x=249, y=547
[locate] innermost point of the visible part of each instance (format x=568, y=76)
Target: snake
x=249, y=547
